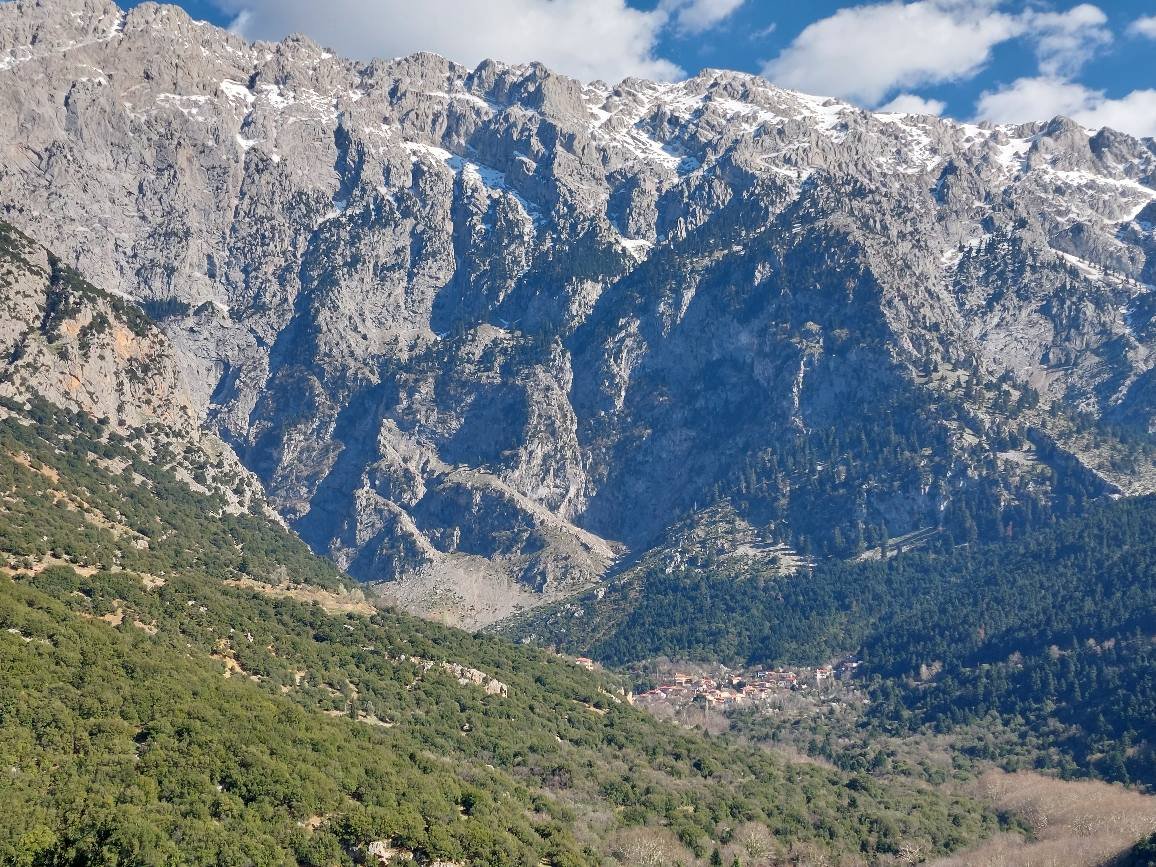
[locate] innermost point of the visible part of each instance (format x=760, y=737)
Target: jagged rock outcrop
x=79, y=348
x=477, y=330
x=73, y=346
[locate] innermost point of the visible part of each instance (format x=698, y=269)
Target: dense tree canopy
x=172, y=691
x=1051, y=633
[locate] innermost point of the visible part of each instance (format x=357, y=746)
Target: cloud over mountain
x=588, y=39
x=1135, y=112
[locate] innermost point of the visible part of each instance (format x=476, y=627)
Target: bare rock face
x=79, y=348
x=479, y=330
x=70, y=345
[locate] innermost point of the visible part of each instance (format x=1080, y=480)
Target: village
x=766, y=689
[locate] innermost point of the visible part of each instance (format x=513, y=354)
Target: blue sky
x=1004, y=60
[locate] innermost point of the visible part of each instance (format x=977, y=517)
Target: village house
x=735, y=688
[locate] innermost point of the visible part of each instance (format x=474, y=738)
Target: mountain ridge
x=459, y=320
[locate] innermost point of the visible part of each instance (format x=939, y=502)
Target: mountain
x=183, y=682
x=679, y=367
x=483, y=334
x=177, y=703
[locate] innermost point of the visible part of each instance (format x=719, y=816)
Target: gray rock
x=497, y=325
x=71, y=345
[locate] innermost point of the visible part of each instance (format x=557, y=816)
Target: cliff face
x=77, y=347
x=478, y=330
x=67, y=344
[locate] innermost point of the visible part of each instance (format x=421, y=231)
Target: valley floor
x=811, y=715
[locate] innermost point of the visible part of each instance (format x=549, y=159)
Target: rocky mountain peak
x=478, y=331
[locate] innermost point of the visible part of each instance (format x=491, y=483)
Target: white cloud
x=1065, y=41
x=1043, y=98
x=1145, y=26
x=866, y=53
x=698, y=16
x=764, y=32
x=910, y=103
x=1031, y=99
x=584, y=38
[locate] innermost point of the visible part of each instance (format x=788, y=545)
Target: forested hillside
x=185, y=685
x=1051, y=634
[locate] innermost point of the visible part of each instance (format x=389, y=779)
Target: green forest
x=1050, y=635
x=151, y=713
